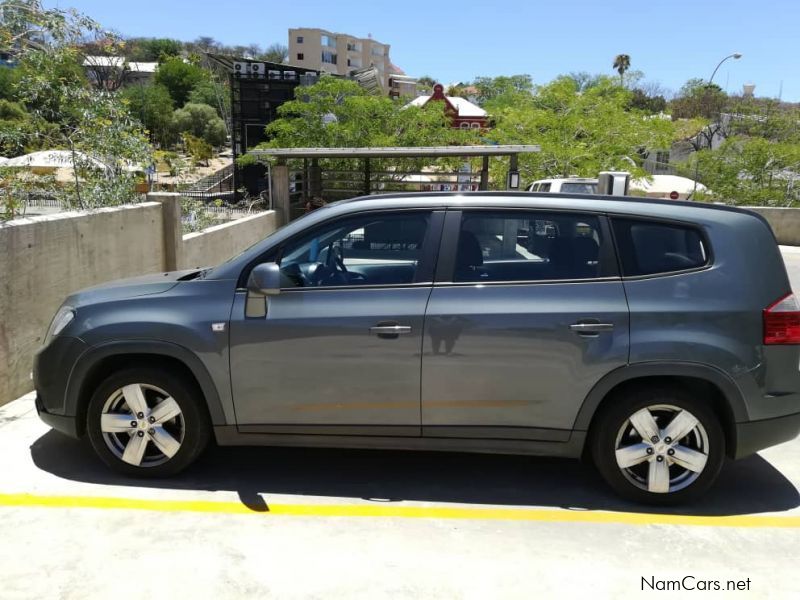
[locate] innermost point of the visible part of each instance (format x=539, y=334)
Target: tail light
x=782, y=321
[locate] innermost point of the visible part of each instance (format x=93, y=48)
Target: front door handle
x=390, y=331
x=587, y=329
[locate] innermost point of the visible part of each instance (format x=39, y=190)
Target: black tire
x=618, y=410
x=194, y=421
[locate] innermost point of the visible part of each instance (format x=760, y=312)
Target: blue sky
x=669, y=41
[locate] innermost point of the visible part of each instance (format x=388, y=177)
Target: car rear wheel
x=147, y=422
x=660, y=446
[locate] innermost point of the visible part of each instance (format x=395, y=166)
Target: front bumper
x=64, y=424
x=757, y=435
x=52, y=368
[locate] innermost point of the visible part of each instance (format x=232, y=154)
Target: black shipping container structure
x=257, y=90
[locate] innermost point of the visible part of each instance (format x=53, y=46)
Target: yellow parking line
x=394, y=510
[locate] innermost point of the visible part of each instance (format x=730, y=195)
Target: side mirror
x=265, y=279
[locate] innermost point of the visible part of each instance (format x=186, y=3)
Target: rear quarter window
x=650, y=247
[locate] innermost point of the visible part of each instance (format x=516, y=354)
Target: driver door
x=339, y=350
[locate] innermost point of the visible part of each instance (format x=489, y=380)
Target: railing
x=347, y=184
x=341, y=184
x=219, y=182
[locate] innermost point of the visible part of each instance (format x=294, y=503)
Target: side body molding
x=89, y=359
x=729, y=389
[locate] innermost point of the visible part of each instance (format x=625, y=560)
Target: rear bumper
x=757, y=435
x=64, y=424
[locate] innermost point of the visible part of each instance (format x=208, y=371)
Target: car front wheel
x=659, y=446
x=147, y=422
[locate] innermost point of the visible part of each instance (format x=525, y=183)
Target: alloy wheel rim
x=662, y=448
x=142, y=425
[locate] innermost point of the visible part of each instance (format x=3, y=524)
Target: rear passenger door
x=527, y=313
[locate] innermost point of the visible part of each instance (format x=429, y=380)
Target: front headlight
x=63, y=318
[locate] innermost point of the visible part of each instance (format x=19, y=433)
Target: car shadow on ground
x=747, y=486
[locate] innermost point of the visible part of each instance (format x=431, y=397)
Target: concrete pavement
x=311, y=523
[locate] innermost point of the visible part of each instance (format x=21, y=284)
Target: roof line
x=593, y=197
x=397, y=151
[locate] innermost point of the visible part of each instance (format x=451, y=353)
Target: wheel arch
x=99, y=361
x=722, y=393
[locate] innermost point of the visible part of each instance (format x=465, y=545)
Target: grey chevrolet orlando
x=655, y=338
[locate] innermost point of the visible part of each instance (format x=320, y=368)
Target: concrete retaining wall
x=785, y=222
x=46, y=258
x=222, y=242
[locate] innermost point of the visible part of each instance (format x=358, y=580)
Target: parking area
x=300, y=523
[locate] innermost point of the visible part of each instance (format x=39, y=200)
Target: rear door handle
x=390, y=331
x=584, y=328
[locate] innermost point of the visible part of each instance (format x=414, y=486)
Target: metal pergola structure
x=280, y=193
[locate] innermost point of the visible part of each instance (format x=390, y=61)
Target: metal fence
x=339, y=184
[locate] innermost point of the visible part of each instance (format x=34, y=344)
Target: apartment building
x=338, y=53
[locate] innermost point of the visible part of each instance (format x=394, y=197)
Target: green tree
x=152, y=49
x=622, y=62
x=200, y=120
x=580, y=133
x=66, y=112
x=750, y=171
x=216, y=133
x=339, y=113
x=455, y=90
x=277, y=53
x=584, y=80
x=12, y=111
x=763, y=117
x=197, y=148
x=640, y=100
x=425, y=84
x=14, y=128
x=43, y=75
x=212, y=93
x=8, y=83
x=509, y=89
x=180, y=78
x=27, y=25
x=153, y=106
x=698, y=98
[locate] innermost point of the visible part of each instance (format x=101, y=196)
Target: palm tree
x=622, y=62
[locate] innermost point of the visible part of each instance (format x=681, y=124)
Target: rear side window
x=648, y=247
x=527, y=246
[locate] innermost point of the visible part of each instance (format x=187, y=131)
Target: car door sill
x=500, y=432
x=230, y=435
x=304, y=429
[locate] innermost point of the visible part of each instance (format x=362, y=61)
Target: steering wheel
x=335, y=271
x=338, y=258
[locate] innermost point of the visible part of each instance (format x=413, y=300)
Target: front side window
x=329, y=57
x=648, y=247
x=527, y=246
x=382, y=249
